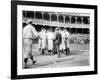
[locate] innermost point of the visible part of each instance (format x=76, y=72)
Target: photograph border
x=14, y=5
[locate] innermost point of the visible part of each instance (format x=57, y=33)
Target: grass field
x=73, y=47
x=79, y=56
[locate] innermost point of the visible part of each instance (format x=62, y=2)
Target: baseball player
x=40, y=42
x=62, y=46
x=50, y=38
x=29, y=33
x=43, y=38
x=58, y=41
x=66, y=34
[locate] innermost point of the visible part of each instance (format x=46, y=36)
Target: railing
x=55, y=23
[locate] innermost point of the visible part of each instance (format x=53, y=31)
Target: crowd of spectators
x=79, y=38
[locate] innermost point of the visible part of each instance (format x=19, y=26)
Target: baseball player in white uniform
x=43, y=40
x=50, y=38
x=40, y=42
x=66, y=34
x=29, y=33
x=62, y=46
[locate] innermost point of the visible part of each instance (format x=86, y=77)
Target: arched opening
x=73, y=30
x=85, y=31
x=67, y=19
x=73, y=20
x=53, y=17
x=38, y=15
x=46, y=16
x=68, y=29
x=61, y=18
x=85, y=20
x=79, y=31
x=79, y=20
x=29, y=14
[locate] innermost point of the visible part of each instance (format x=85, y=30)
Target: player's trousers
x=66, y=45
x=27, y=48
x=58, y=49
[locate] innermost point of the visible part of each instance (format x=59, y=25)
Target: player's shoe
x=34, y=62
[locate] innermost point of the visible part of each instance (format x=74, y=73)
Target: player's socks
x=33, y=60
x=25, y=60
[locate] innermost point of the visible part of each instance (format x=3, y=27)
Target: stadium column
x=70, y=23
x=88, y=20
x=50, y=17
x=82, y=19
x=82, y=24
x=42, y=15
x=64, y=20
x=34, y=15
x=69, y=19
x=25, y=14
x=76, y=23
x=57, y=20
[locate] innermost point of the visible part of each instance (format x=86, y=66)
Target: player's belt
x=50, y=39
x=29, y=38
x=66, y=38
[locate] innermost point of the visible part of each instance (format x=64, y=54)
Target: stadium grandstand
x=77, y=24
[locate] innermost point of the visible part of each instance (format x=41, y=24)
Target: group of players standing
x=49, y=42
x=52, y=42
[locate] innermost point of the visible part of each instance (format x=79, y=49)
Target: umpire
x=58, y=40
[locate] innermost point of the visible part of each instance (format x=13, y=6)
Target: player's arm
x=34, y=32
x=68, y=34
x=39, y=35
